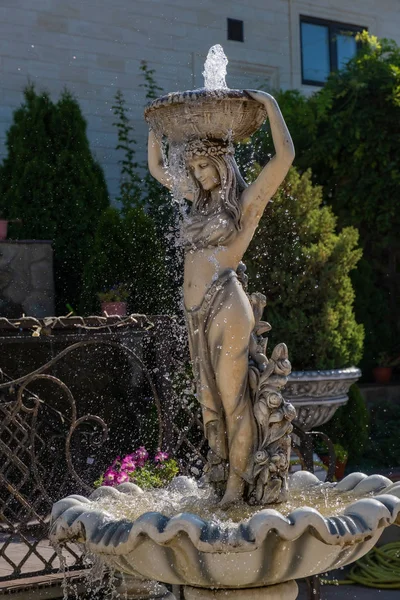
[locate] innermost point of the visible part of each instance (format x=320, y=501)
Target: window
x=235, y=30
x=325, y=46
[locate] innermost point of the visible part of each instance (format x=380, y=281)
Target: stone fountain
x=228, y=543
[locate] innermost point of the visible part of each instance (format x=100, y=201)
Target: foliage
x=361, y=168
x=136, y=245
x=387, y=360
x=350, y=425
x=130, y=189
x=301, y=116
x=50, y=180
x=162, y=210
x=340, y=452
x=156, y=475
x=126, y=248
x=348, y=134
x=151, y=88
x=118, y=293
x=303, y=267
x=157, y=197
x=138, y=468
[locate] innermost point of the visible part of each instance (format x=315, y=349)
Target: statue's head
x=205, y=172
x=211, y=165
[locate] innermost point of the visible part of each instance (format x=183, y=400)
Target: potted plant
x=383, y=371
x=342, y=456
x=113, y=301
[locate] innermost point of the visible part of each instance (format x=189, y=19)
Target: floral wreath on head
x=207, y=147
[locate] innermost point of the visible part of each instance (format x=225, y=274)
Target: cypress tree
x=51, y=181
x=126, y=250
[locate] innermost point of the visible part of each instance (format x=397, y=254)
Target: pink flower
x=110, y=477
x=141, y=455
x=116, y=462
x=122, y=477
x=130, y=456
x=128, y=464
x=161, y=456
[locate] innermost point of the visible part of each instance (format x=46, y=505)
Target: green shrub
x=51, y=181
x=136, y=245
x=355, y=155
x=126, y=250
x=301, y=116
x=349, y=134
x=298, y=261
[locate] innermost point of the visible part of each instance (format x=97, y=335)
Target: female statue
x=220, y=319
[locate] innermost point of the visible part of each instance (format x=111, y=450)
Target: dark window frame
x=231, y=24
x=334, y=27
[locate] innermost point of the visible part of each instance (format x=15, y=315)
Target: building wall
x=95, y=47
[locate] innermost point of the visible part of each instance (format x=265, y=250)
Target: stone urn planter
x=316, y=395
x=267, y=550
x=340, y=465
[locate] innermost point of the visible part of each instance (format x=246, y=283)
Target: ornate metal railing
x=51, y=447
x=48, y=448
x=35, y=440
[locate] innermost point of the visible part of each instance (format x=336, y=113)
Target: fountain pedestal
x=281, y=591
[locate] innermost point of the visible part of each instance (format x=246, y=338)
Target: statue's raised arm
x=258, y=194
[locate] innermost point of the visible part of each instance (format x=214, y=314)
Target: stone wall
x=95, y=47
x=26, y=279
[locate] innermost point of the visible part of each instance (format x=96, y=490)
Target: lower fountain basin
x=266, y=549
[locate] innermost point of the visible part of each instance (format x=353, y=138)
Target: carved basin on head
x=316, y=395
x=266, y=549
x=202, y=113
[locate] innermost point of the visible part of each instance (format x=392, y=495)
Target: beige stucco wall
x=95, y=47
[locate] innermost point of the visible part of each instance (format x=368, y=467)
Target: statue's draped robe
x=205, y=357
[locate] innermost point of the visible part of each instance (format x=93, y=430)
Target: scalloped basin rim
x=71, y=519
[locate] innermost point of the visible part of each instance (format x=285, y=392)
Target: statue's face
x=205, y=172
